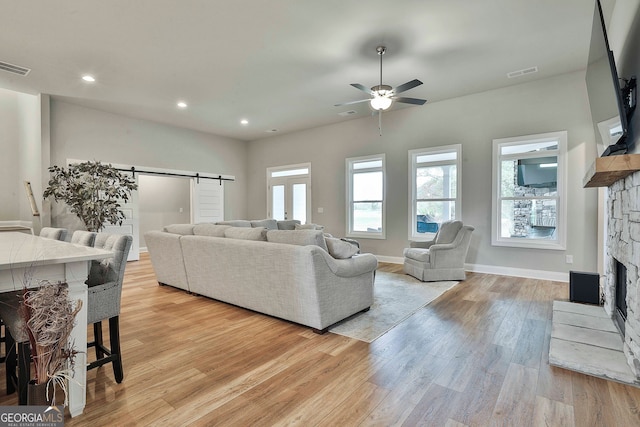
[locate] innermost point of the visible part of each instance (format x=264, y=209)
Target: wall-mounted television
x=606, y=100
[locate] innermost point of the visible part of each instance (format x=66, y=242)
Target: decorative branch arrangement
x=50, y=316
x=93, y=191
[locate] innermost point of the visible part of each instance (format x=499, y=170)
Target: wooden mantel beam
x=607, y=170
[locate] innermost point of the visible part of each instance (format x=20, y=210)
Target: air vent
x=347, y=113
x=521, y=73
x=15, y=69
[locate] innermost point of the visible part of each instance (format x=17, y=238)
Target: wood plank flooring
x=477, y=356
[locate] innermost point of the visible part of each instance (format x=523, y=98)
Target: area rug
x=395, y=298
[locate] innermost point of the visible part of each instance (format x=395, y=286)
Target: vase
x=37, y=394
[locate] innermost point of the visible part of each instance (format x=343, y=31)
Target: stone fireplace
x=623, y=263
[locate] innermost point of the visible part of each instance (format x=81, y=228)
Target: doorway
x=289, y=192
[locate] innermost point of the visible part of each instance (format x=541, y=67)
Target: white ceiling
x=282, y=64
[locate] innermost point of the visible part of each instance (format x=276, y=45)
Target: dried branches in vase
x=50, y=316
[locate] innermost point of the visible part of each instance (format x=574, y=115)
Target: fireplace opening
x=620, y=313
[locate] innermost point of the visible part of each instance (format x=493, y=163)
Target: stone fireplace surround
x=623, y=244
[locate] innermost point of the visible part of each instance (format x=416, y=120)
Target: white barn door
x=131, y=225
x=207, y=200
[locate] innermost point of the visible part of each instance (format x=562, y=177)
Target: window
x=365, y=197
x=288, y=195
x=434, y=189
x=529, y=201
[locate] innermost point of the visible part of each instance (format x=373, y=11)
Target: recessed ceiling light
x=244, y=122
x=181, y=104
x=88, y=78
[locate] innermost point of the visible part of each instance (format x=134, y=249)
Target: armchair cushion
x=417, y=253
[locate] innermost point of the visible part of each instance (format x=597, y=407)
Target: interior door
x=131, y=225
x=207, y=200
x=290, y=198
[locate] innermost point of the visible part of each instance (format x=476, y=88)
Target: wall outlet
x=181, y=210
x=320, y=210
x=569, y=259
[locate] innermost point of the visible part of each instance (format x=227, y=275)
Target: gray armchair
x=441, y=258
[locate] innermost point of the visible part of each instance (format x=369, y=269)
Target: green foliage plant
x=93, y=191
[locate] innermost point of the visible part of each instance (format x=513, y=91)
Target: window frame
x=413, y=155
x=349, y=193
x=561, y=138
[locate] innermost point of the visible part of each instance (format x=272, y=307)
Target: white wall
x=161, y=200
x=21, y=153
x=85, y=133
x=554, y=104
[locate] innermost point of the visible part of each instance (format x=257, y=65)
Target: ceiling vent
x=347, y=113
x=15, y=69
x=521, y=73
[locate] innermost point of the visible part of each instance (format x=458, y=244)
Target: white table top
x=24, y=250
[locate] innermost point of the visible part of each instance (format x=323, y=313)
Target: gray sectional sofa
x=296, y=275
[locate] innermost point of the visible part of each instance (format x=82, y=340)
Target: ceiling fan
x=382, y=96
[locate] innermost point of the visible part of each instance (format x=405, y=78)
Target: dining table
x=26, y=261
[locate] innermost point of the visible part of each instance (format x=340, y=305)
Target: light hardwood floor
x=477, y=356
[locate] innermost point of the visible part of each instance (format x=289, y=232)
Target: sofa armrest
x=350, y=267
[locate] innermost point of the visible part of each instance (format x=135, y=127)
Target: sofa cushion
x=211, y=230
x=417, y=254
x=244, y=233
x=269, y=224
x=288, y=224
x=448, y=232
x=184, y=229
x=297, y=237
x=308, y=227
x=236, y=223
x=340, y=249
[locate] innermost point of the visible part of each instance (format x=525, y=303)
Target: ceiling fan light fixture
x=380, y=102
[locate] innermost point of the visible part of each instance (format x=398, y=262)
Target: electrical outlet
x=569, y=259
x=320, y=210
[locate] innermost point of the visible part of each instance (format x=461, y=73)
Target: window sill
x=530, y=244
x=364, y=235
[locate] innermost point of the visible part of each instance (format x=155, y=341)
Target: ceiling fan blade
x=362, y=88
x=351, y=102
x=408, y=85
x=415, y=101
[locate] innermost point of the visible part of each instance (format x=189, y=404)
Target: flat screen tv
x=605, y=97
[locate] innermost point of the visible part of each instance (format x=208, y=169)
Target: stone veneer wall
x=623, y=244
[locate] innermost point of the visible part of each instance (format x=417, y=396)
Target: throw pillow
x=98, y=273
x=269, y=224
x=236, y=223
x=308, y=227
x=340, y=249
x=244, y=233
x=288, y=224
x=297, y=237
x=183, y=229
x=211, y=230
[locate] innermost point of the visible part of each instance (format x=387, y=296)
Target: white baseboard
x=142, y=250
x=555, y=276
x=390, y=259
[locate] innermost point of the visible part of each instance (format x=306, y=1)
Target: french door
x=289, y=193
